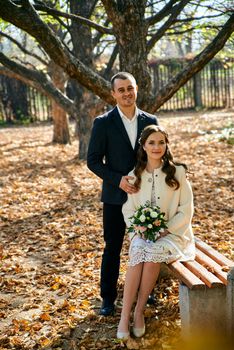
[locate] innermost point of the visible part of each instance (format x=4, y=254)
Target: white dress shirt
x=130, y=126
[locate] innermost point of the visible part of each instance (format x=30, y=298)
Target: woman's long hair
x=168, y=166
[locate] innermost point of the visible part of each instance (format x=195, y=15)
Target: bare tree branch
x=189, y=30
x=80, y=19
x=9, y=73
x=39, y=80
x=97, y=38
x=175, y=12
x=26, y=64
x=190, y=19
x=166, y=10
x=193, y=67
x=23, y=49
x=134, y=59
x=227, y=6
x=28, y=20
x=111, y=61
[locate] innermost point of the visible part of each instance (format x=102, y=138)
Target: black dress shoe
x=151, y=300
x=107, y=310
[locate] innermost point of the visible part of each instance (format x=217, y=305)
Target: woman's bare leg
x=149, y=277
x=132, y=282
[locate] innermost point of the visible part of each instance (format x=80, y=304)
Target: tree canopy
x=90, y=40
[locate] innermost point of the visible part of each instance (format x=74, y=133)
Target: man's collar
x=122, y=115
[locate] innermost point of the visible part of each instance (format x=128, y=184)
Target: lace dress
x=144, y=251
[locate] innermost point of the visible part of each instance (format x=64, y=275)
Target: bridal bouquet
x=148, y=222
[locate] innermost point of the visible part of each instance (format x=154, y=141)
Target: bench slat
x=201, y=272
x=213, y=254
x=186, y=276
x=203, y=259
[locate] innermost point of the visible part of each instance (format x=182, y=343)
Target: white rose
x=142, y=218
x=153, y=214
x=150, y=226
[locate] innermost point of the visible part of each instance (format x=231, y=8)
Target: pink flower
x=157, y=223
x=141, y=228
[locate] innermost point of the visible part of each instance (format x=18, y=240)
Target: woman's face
x=155, y=146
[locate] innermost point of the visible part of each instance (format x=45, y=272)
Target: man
x=111, y=155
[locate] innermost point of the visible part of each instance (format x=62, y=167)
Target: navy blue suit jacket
x=110, y=153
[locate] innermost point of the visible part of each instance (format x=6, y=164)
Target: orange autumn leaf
x=51, y=239
x=72, y=308
x=85, y=304
x=16, y=341
x=45, y=316
x=44, y=341
x=55, y=286
x=36, y=326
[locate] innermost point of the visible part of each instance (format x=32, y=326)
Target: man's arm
x=97, y=151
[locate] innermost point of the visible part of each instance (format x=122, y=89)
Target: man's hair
x=123, y=76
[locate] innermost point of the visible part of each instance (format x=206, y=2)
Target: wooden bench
x=206, y=291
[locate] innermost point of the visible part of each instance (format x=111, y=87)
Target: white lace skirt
x=160, y=251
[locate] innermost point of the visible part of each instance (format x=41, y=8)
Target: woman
x=163, y=182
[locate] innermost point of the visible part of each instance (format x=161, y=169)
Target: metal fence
x=39, y=106
x=212, y=87
x=20, y=102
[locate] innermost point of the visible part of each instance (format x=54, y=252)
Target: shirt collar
x=123, y=116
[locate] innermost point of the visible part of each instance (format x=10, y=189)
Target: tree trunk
x=61, y=128
x=131, y=33
x=83, y=49
x=95, y=107
x=84, y=125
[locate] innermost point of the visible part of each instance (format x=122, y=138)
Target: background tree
x=124, y=30
x=48, y=78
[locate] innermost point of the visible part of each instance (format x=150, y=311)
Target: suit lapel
x=118, y=122
x=140, y=127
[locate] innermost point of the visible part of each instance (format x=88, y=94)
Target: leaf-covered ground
x=51, y=236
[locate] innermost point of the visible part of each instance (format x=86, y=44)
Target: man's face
x=125, y=92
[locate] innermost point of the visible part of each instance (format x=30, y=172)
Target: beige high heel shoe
x=138, y=332
x=123, y=335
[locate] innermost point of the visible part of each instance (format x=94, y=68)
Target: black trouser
x=114, y=229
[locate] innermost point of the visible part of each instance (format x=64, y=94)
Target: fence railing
x=212, y=87
x=40, y=106
x=20, y=102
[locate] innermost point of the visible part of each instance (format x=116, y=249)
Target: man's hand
x=126, y=186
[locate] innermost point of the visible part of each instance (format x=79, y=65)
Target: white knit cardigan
x=176, y=204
